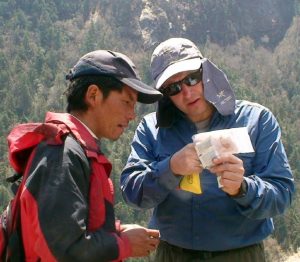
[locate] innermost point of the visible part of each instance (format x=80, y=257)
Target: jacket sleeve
x=59, y=186
x=271, y=184
x=146, y=179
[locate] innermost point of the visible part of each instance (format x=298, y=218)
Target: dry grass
x=293, y=258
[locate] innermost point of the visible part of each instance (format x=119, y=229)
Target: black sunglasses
x=175, y=88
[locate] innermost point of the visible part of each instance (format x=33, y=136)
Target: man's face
x=113, y=114
x=190, y=100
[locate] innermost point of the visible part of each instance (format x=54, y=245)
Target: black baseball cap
x=117, y=65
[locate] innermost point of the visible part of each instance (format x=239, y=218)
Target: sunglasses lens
x=175, y=88
x=172, y=89
x=193, y=79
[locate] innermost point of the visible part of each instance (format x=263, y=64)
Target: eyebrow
x=131, y=96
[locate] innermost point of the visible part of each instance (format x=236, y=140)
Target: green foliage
x=5, y=196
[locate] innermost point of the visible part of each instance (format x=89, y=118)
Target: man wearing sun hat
x=67, y=211
x=223, y=223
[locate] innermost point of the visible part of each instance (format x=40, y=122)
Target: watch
x=243, y=190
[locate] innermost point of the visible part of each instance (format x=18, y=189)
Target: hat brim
x=146, y=93
x=181, y=66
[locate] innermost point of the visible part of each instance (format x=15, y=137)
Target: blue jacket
x=212, y=220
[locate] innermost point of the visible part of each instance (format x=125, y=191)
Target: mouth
x=123, y=126
x=193, y=102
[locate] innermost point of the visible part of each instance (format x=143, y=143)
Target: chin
x=114, y=137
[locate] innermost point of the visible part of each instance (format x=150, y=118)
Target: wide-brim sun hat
x=173, y=56
x=177, y=55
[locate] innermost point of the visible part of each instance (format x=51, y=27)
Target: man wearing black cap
x=66, y=208
x=240, y=192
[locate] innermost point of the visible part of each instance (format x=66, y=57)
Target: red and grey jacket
x=67, y=209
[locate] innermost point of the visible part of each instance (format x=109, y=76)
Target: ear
x=93, y=95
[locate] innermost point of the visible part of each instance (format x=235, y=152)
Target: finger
x=152, y=242
x=228, y=158
x=153, y=233
x=232, y=175
x=231, y=182
x=152, y=247
x=221, y=168
x=228, y=167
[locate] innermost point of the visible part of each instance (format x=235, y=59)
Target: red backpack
x=22, y=142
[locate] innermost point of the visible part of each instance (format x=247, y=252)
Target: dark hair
x=77, y=89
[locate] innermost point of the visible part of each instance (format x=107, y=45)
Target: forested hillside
x=257, y=43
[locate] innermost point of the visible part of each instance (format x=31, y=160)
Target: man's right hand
x=142, y=240
x=186, y=161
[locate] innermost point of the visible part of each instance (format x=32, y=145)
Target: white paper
x=211, y=144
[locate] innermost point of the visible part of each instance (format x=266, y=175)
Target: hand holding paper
x=210, y=145
x=186, y=163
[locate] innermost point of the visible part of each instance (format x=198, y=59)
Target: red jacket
x=67, y=209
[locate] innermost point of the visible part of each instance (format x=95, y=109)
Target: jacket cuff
x=125, y=249
x=249, y=195
x=166, y=177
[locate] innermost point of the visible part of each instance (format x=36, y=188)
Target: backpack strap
x=101, y=187
x=68, y=123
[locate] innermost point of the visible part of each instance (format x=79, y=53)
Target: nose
x=186, y=90
x=131, y=113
